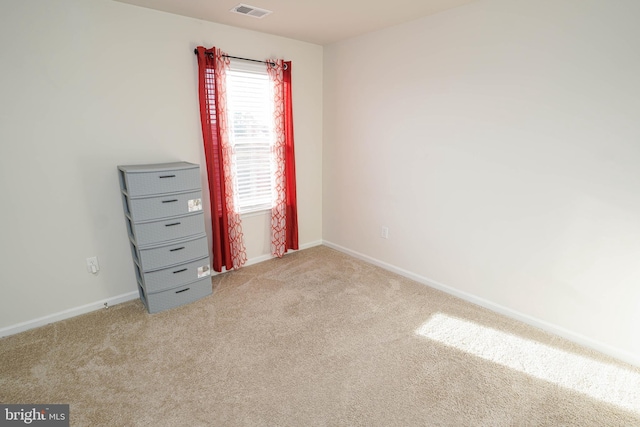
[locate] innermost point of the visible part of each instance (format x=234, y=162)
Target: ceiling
x=315, y=21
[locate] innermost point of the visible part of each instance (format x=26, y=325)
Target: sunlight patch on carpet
x=601, y=381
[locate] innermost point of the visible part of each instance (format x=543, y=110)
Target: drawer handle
x=167, y=176
x=180, y=271
x=182, y=290
x=176, y=249
x=172, y=224
x=170, y=201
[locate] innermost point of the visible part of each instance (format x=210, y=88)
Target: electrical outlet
x=92, y=265
x=384, y=232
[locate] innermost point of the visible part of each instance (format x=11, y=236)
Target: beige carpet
x=315, y=339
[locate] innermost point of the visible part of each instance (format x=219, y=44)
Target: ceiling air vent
x=256, y=12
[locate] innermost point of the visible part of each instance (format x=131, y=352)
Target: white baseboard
x=530, y=320
x=546, y=326
x=76, y=311
x=267, y=257
x=66, y=314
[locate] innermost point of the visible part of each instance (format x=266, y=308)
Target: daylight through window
x=250, y=121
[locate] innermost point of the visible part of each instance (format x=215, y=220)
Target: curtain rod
x=244, y=59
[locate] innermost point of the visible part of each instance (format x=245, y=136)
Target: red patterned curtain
x=228, y=241
x=284, y=214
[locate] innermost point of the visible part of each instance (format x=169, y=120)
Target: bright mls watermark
x=34, y=415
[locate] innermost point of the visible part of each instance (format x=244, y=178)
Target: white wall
x=500, y=143
x=89, y=84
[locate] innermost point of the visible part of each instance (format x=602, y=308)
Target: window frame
x=243, y=80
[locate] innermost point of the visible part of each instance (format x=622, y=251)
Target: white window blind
x=250, y=121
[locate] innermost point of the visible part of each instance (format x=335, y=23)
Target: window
x=251, y=133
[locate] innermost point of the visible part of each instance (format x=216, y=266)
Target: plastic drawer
x=141, y=180
x=146, y=208
x=179, y=275
x=176, y=297
x=157, y=257
x=149, y=232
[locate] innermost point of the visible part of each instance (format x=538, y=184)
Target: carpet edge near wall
x=616, y=353
x=107, y=302
x=576, y=338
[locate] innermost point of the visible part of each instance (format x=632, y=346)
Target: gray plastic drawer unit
x=165, y=224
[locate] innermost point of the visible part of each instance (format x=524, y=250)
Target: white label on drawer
x=195, y=205
x=203, y=271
